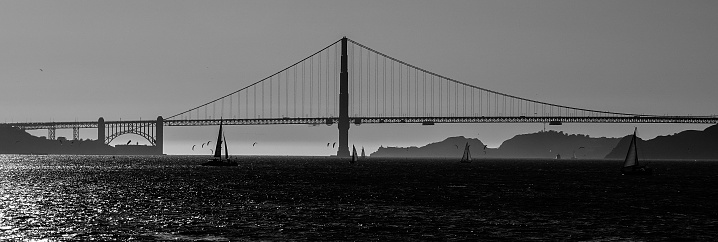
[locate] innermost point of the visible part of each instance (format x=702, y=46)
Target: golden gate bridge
x=349, y=83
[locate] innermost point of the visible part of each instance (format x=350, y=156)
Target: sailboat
x=363, y=155
x=217, y=159
x=466, y=158
x=630, y=164
x=354, y=155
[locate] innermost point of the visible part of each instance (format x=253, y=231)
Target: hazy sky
x=142, y=59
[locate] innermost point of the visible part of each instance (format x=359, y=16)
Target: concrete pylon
x=159, y=135
x=101, y=130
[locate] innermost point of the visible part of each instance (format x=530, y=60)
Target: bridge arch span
x=145, y=129
x=147, y=136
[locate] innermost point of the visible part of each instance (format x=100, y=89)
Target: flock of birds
x=457, y=147
x=253, y=144
x=207, y=144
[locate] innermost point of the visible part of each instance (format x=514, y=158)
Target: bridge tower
x=344, y=104
x=101, y=130
x=159, y=135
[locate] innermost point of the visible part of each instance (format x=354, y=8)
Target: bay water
x=282, y=198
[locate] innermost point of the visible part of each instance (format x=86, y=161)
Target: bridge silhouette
x=349, y=83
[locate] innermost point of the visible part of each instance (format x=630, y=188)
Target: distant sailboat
x=630, y=164
x=354, y=155
x=363, y=155
x=558, y=156
x=466, y=158
x=217, y=160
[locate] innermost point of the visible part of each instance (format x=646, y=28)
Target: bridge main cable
x=257, y=82
x=491, y=91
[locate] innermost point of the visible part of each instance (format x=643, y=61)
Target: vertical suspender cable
x=302, y=114
x=423, y=94
x=319, y=86
x=294, y=88
x=441, y=100
x=271, y=99
x=326, y=91
x=360, y=80
x=311, y=84
x=416, y=92
x=262, y=97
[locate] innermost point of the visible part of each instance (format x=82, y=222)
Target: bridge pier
x=159, y=136
x=343, y=150
x=75, y=133
x=101, y=130
x=51, y=133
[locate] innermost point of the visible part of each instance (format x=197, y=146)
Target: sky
x=130, y=60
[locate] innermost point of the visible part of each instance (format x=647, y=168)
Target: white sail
x=632, y=155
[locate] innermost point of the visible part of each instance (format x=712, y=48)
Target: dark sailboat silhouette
x=630, y=164
x=217, y=160
x=363, y=155
x=354, y=155
x=466, y=158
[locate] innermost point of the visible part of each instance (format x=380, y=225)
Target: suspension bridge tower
x=343, y=150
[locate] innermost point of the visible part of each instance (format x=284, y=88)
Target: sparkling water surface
x=106, y=198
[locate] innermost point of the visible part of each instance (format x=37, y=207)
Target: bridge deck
x=380, y=120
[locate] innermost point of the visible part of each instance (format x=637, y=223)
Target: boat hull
x=219, y=163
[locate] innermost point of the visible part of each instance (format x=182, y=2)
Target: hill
x=689, y=144
x=548, y=144
x=16, y=141
x=536, y=145
x=450, y=147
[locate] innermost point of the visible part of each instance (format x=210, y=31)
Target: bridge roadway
x=379, y=120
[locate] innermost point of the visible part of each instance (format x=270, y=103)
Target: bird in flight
x=254, y=143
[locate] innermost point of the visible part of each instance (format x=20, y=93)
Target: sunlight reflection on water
x=60, y=198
